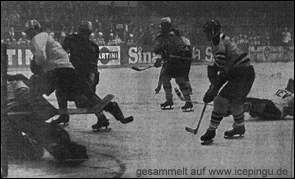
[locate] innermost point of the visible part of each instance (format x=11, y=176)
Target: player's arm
x=39, y=44
x=66, y=44
x=217, y=78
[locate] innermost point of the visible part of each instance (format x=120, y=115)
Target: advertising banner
x=116, y=56
x=109, y=56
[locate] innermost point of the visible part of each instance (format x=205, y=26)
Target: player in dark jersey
x=168, y=42
x=188, y=54
x=84, y=57
x=231, y=66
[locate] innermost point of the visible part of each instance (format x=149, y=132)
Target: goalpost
x=4, y=125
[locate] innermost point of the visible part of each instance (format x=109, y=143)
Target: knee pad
x=236, y=110
x=220, y=104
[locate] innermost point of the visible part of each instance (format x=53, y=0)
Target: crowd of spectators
x=115, y=27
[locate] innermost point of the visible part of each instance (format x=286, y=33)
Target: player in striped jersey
x=231, y=66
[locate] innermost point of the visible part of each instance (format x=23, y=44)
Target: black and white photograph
x=147, y=89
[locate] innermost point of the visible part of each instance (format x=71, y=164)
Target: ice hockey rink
x=156, y=144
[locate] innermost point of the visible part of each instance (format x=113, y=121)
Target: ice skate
x=101, y=122
x=64, y=118
x=188, y=107
x=167, y=105
x=207, y=138
x=236, y=132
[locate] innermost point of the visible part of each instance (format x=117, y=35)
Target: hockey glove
x=181, y=51
x=212, y=72
x=210, y=94
x=36, y=69
x=157, y=63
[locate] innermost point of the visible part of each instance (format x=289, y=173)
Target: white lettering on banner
x=209, y=53
x=133, y=58
x=10, y=52
x=19, y=57
x=136, y=55
x=109, y=55
x=28, y=56
x=196, y=53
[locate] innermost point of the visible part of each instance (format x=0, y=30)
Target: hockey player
x=188, y=54
x=231, y=66
x=84, y=57
x=168, y=42
x=28, y=133
x=280, y=105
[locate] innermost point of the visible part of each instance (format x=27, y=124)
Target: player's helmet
x=212, y=28
x=165, y=24
x=85, y=28
x=33, y=28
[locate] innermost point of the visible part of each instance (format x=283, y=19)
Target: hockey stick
x=194, y=131
x=185, y=58
x=140, y=69
x=182, y=98
x=143, y=68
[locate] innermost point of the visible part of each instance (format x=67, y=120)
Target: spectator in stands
x=255, y=42
x=130, y=41
x=250, y=41
x=22, y=40
x=258, y=41
x=100, y=40
x=286, y=37
x=62, y=35
x=118, y=39
x=92, y=38
x=8, y=42
x=112, y=41
x=234, y=40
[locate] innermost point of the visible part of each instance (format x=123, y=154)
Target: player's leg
x=219, y=110
x=160, y=82
x=116, y=111
x=236, y=90
x=168, y=104
x=187, y=79
x=62, y=102
x=185, y=91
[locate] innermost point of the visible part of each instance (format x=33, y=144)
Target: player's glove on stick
x=210, y=94
x=217, y=81
x=157, y=63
